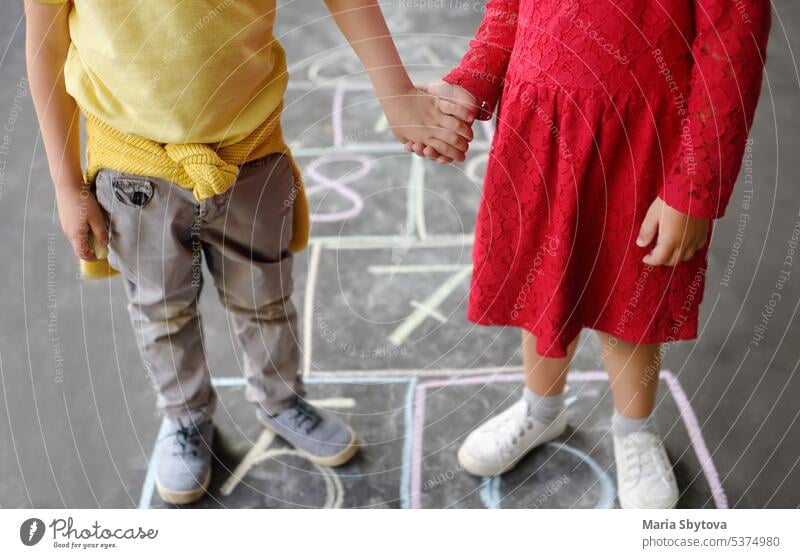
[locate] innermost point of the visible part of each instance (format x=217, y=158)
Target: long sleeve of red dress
x=728, y=52
x=483, y=67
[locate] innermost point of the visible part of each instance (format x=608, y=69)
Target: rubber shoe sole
x=332, y=461
x=178, y=497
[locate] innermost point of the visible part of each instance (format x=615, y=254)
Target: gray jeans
x=159, y=235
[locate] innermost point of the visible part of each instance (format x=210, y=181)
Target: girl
x=620, y=133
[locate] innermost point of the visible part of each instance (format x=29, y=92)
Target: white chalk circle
x=334, y=491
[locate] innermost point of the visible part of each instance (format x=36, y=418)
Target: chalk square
x=450, y=196
x=575, y=471
x=399, y=309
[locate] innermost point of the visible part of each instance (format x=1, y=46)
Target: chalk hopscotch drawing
x=260, y=452
x=401, y=248
x=428, y=308
x=323, y=183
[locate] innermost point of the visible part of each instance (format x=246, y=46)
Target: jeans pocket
x=121, y=197
x=101, y=188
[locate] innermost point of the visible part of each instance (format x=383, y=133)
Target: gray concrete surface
x=76, y=414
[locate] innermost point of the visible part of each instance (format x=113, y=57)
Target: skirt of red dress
x=569, y=179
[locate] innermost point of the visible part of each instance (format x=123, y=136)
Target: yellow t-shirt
x=176, y=71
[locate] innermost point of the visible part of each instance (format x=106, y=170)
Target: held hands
x=415, y=118
x=452, y=103
x=80, y=216
x=678, y=236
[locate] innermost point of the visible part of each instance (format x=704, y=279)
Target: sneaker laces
x=643, y=457
x=304, y=417
x=513, y=426
x=187, y=437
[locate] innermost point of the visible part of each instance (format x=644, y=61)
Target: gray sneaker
x=322, y=437
x=184, y=461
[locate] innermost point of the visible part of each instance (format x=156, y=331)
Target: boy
x=185, y=161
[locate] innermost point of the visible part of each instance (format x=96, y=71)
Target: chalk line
x=416, y=445
x=253, y=456
x=413, y=372
x=334, y=402
x=372, y=242
x=424, y=268
x=381, y=124
x=430, y=312
x=491, y=487
x=411, y=193
x=490, y=492
x=472, y=168
x=416, y=186
x=427, y=52
x=334, y=491
x=364, y=379
x=408, y=426
x=697, y=439
x=149, y=485
x=488, y=129
x=308, y=306
x=325, y=183
x=336, y=115
x=259, y=453
x=420, y=314
x=608, y=492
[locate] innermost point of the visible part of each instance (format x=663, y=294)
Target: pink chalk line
x=338, y=107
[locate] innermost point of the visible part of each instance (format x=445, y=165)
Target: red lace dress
x=604, y=105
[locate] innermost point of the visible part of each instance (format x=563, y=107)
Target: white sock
x=544, y=408
x=623, y=426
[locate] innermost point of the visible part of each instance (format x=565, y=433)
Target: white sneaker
x=644, y=474
x=498, y=444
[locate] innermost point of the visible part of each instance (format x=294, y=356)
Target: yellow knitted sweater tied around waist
x=204, y=169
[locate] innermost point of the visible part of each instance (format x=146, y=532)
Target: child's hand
x=80, y=214
x=680, y=236
x=453, y=100
x=415, y=118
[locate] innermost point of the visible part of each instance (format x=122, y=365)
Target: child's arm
x=46, y=45
x=475, y=84
x=412, y=114
x=728, y=50
x=483, y=67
